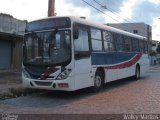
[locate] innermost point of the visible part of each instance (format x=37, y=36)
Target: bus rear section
x=119, y=65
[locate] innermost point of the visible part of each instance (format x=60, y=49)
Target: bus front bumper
x=64, y=85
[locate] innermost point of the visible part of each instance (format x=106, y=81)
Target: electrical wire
x=104, y=13
x=99, y=10
x=119, y=16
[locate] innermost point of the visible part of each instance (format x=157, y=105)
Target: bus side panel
x=119, y=65
x=144, y=64
x=130, y=71
x=126, y=72
x=83, y=75
x=110, y=75
x=122, y=73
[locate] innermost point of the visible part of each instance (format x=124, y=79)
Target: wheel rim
x=98, y=81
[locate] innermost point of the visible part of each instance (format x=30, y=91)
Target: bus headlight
x=25, y=73
x=64, y=74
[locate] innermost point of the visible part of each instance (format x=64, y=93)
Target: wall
x=12, y=30
x=8, y=24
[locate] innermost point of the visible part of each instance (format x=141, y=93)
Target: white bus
x=70, y=53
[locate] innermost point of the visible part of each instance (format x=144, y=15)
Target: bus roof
x=97, y=25
x=103, y=26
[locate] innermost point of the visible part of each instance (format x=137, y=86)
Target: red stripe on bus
x=134, y=60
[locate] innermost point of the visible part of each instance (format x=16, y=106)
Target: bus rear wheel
x=137, y=73
x=98, y=82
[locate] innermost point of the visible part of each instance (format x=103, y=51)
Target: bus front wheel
x=98, y=81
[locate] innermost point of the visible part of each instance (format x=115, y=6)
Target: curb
x=154, y=66
x=12, y=93
x=17, y=92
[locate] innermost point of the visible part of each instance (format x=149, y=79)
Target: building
x=136, y=28
x=11, y=40
x=154, y=56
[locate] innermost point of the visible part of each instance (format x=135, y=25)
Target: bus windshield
x=47, y=47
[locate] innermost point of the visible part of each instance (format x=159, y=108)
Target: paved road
x=125, y=96
x=9, y=80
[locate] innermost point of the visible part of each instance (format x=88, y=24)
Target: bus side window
x=142, y=46
x=119, y=42
x=108, y=41
x=135, y=45
x=96, y=39
x=127, y=44
x=81, y=44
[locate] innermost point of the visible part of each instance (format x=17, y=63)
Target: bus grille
x=43, y=83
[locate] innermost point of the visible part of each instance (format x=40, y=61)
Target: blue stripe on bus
x=110, y=58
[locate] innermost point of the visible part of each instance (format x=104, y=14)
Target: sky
x=114, y=11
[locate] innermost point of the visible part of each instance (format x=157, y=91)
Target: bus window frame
x=129, y=40
x=102, y=40
x=112, y=42
x=82, y=54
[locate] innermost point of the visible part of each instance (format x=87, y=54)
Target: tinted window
x=127, y=44
x=47, y=48
x=46, y=24
x=142, y=46
x=135, y=45
x=108, y=41
x=119, y=43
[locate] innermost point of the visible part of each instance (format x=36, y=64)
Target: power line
x=118, y=15
x=105, y=13
x=99, y=10
x=110, y=10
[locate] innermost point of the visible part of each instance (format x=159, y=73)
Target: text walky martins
x=140, y=116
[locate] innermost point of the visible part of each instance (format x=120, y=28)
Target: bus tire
x=137, y=73
x=98, y=81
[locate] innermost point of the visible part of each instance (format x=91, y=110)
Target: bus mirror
x=75, y=32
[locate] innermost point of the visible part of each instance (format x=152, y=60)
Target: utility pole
x=51, y=8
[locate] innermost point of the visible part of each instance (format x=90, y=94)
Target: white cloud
x=156, y=29
x=155, y=1
x=127, y=9
x=124, y=15
x=24, y=9
x=69, y=9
